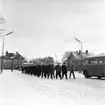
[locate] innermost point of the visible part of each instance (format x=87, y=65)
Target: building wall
x=11, y=64
x=7, y=63
x=70, y=59
x=17, y=63
x=77, y=63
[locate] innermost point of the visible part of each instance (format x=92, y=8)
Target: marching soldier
x=52, y=71
x=58, y=71
x=72, y=70
x=64, y=71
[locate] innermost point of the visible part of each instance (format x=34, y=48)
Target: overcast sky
x=48, y=27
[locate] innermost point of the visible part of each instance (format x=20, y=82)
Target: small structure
x=11, y=60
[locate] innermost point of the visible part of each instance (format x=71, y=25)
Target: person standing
x=72, y=70
x=58, y=71
x=64, y=71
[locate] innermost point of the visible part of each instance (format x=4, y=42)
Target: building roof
x=18, y=56
x=78, y=56
x=12, y=56
x=96, y=56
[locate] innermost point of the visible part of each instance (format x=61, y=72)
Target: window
x=100, y=61
x=95, y=62
x=89, y=61
x=92, y=62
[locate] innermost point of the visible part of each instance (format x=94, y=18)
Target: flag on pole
x=2, y=20
x=78, y=40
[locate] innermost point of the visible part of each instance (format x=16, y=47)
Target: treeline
x=40, y=61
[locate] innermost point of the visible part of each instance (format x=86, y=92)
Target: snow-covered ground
x=21, y=89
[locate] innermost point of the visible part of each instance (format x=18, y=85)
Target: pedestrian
x=72, y=70
x=52, y=71
x=58, y=71
x=64, y=71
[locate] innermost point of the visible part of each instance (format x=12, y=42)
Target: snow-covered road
x=19, y=89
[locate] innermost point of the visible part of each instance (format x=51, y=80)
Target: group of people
x=49, y=71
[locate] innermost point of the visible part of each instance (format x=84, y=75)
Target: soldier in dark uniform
x=52, y=71
x=45, y=70
x=42, y=70
x=58, y=71
x=64, y=70
x=72, y=70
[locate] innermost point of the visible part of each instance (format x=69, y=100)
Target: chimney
x=6, y=53
x=79, y=52
x=17, y=53
x=87, y=52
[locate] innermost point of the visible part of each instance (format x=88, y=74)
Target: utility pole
x=2, y=29
x=81, y=49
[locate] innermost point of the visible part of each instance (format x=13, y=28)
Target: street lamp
x=3, y=49
x=81, y=48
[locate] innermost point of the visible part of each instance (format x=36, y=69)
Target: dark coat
x=64, y=68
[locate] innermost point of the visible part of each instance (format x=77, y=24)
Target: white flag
x=2, y=21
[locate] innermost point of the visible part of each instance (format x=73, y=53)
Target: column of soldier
x=48, y=71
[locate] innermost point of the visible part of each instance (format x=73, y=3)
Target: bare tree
x=66, y=55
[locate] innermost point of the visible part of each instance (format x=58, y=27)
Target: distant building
x=11, y=60
x=77, y=58
x=17, y=60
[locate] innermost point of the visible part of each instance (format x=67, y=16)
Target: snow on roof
x=98, y=55
x=101, y=54
x=84, y=55
x=12, y=56
x=95, y=56
x=78, y=57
